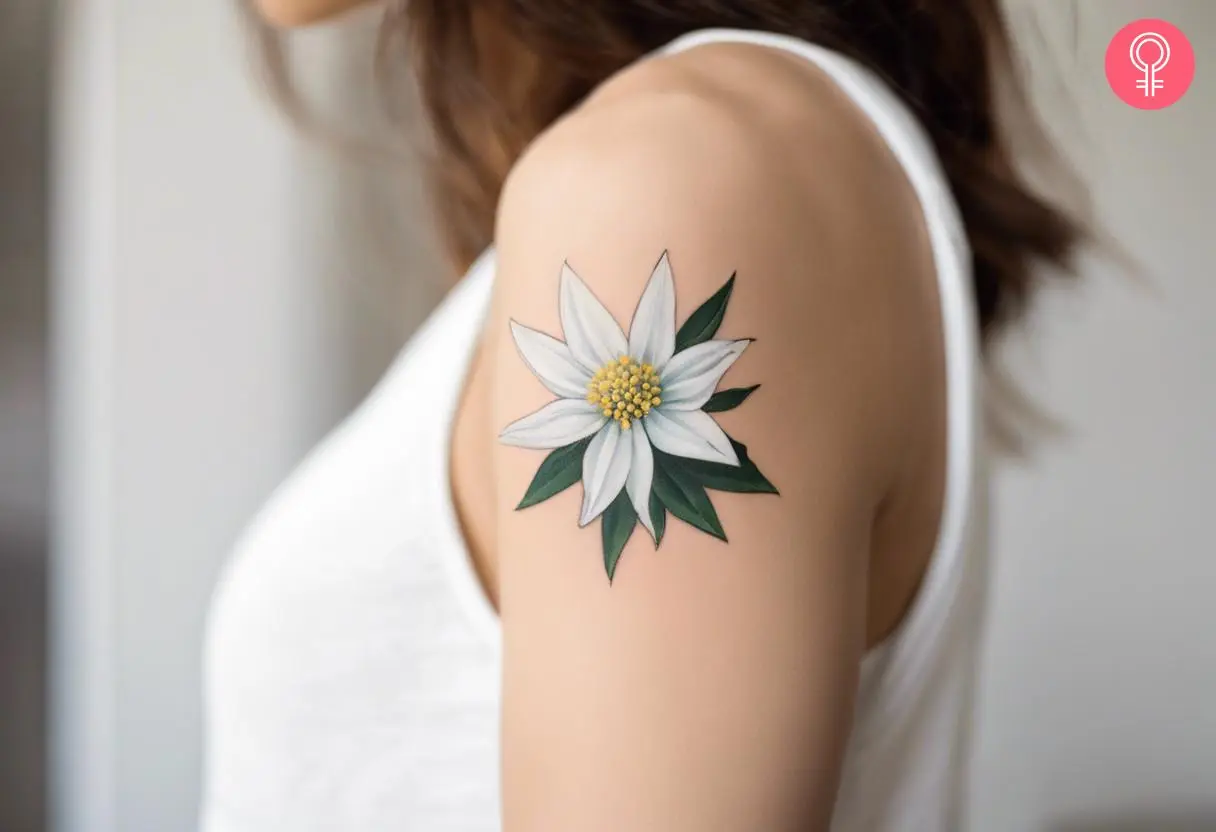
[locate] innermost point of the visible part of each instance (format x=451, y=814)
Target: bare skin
x=731, y=158
x=905, y=529
x=711, y=686
x=293, y=13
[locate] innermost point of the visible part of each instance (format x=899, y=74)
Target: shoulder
x=711, y=131
x=735, y=160
x=731, y=121
x=775, y=117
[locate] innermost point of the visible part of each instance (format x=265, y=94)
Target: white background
x=225, y=292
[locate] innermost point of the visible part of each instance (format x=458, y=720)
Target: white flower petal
x=550, y=361
x=693, y=374
x=593, y=335
x=691, y=433
x=652, y=333
x=554, y=425
x=641, y=474
x=605, y=469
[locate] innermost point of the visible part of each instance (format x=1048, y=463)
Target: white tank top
x=352, y=658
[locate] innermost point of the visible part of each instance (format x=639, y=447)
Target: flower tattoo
x=632, y=418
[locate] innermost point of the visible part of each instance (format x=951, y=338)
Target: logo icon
x=1150, y=64
x=1151, y=81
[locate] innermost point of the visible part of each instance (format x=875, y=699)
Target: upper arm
x=709, y=684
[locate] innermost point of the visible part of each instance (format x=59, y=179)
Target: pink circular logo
x=1150, y=64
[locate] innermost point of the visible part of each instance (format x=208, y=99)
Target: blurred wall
x=24, y=59
x=225, y=293
x=222, y=297
x=1098, y=705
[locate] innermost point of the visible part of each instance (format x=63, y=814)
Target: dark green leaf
x=725, y=400
x=658, y=518
x=745, y=479
x=616, y=525
x=684, y=496
x=561, y=469
x=704, y=322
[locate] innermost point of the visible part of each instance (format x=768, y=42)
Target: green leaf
x=658, y=518
x=684, y=496
x=704, y=322
x=561, y=469
x=725, y=400
x=745, y=479
x=616, y=525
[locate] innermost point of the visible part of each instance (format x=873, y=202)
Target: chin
x=292, y=14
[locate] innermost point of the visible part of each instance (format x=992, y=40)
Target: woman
x=673, y=507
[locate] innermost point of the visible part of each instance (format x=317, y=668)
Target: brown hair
x=493, y=74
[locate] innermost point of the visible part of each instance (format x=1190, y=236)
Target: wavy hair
x=493, y=74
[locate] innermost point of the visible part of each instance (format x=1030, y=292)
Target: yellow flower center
x=625, y=390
